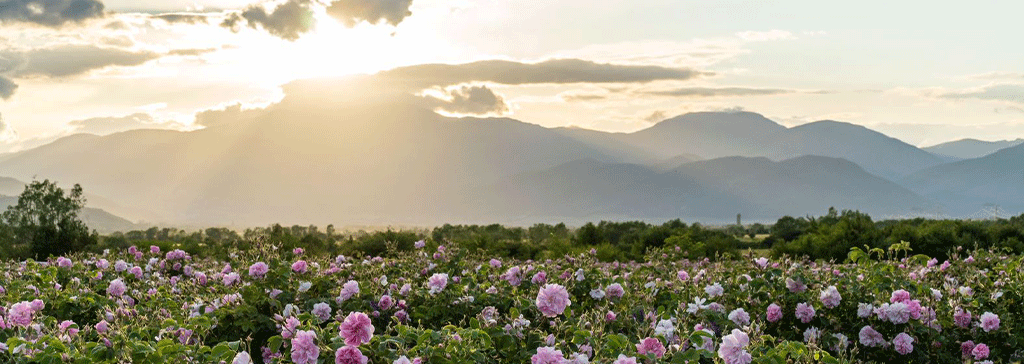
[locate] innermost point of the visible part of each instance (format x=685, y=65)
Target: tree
x=45, y=222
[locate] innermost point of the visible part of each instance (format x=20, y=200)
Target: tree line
x=45, y=223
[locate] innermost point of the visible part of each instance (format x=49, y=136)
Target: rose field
x=443, y=304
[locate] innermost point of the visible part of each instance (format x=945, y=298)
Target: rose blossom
x=552, y=299
x=357, y=329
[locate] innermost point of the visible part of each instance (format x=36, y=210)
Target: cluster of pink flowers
x=989, y=321
x=300, y=266
x=651, y=346
x=351, y=355
x=903, y=343
x=732, y=350
x=615, y=290
x=830, y=297
x=304, y=348
x=116, y=288
x=437, y=282
x=258, y=269
x=348, y=290
x=552, y=299
x=962, y=318
x=740, y=317
x=21, y=313
x=322, y=311
x=357, y=329
x=547, y=355
x=176, y=254
x=513, y=275
x=804, y=312
x=774, y=313
x=64, y=262
x=978, y=352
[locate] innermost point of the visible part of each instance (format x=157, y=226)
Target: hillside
x=966, y=186
x=712, y=190
x=970, y=148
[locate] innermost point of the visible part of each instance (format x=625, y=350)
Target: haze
x=429, y=111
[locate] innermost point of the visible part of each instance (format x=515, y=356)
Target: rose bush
x=443, y=304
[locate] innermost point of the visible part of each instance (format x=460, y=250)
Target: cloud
x=291, y=19
x=183, y=18
x=559, y=71
x=51, y=13
x=999, y=76
x=114, y=124
x=190, y=52
x=472, y=100
x=68, y=60
x=351, y=12
x=656, y=116
x=7, y=88
x=719, y=92
x=582, y=96
x=287, y=21
x=996, y=92
x=776, y=34
x=7, y=133
x=227, y=115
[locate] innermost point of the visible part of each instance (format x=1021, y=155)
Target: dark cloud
x=351, y=12
x=7, y=88
x=656, y=116
x=68, y=60
x=476, y=100
x=191, y=51
x=582, y=96
x=719, y=92
x=231, y=114
x=115, y=124
x=184, y=18
x=288, y=21
x=999, y=92
x=52, y=13
x=559, y=71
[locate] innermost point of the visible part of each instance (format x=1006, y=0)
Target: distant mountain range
x=970, y=148
x=712, y=190
x=997, y=179
x=320, y=156
x=717, y=134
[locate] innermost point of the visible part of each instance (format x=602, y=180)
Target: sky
x=919, y=71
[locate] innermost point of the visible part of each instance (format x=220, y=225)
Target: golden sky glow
x=922, y=81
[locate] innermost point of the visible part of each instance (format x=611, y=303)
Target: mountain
x=711, y=191
x=319, y=156
x=970, y=148
x=365, y=150
x=877, y=153
x=612, y=144
x=966, y=186
x=721, y=134
x=674, y=162
x=10, y=186
x=707, y=134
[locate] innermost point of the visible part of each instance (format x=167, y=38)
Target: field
x=441, y=304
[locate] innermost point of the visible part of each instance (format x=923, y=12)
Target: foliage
x=178, y=307
x=831, y=236
x=44, y=222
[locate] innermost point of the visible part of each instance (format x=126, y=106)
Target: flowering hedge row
x=443, y=305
